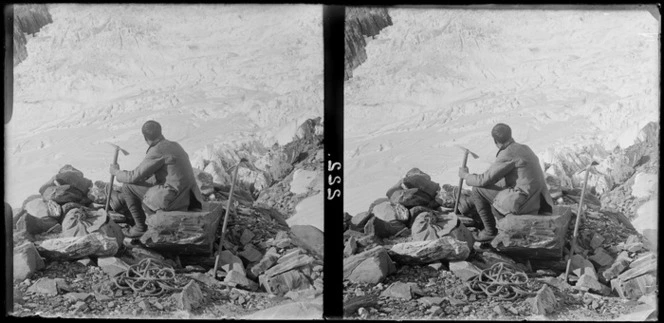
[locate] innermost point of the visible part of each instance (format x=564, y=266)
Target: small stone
x=251, y=254
x=80, y=306
x=499, y=310
x=596, y=241
x=85, y=262
x=111, y=304
x=466, y=309
x=398, y=290
x=79, y=296
x=542, y=303
x=435, y=265
x=144, y=305
x=246, y=237
x=159, y=306
x=191, y=297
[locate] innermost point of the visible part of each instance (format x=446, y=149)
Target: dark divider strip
x=333, y=31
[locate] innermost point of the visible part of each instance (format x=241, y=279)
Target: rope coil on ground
x=500, y=281
x=147, y=278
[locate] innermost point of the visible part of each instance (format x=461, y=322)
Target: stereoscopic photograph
x=501, y=163
x=166, y=161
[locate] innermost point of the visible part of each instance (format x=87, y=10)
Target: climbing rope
x=147, y=278
x=500, y=281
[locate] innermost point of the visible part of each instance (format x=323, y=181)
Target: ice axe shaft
x=223, y=228
x=463, y=165
x=115, y=161
x=578, y=220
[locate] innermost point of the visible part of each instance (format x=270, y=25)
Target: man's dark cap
x=501, y=133
x=151, y=130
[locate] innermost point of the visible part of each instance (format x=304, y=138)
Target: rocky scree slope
x=264, y=263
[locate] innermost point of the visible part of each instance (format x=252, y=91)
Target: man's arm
x=495, y=173
x=145, y=170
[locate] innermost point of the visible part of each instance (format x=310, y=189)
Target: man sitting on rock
x=513, y=184
x=163, y=181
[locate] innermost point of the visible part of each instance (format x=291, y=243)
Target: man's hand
x=114, y=169
x=463, y=172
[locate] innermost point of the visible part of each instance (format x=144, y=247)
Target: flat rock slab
x=26, y=261
x=534, y=236
x=398, y=290
x=203, y=278
x=425, y=252
x=293, y=263
x=429, y=301
x=296, y=310
x=48, y=286
x=464, y=270
x=112, y=265
x=268, y=260
x=543, y=302
x=636, y=287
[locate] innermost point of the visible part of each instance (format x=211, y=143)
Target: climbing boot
x=484, y=236
x=135, y=232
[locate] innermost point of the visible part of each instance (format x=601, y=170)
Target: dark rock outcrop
x=28, y=19
x=360, y=23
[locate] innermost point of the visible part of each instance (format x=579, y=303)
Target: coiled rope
x=147, y=278
x=500, y=281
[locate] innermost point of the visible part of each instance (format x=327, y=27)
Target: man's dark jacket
x=518, y=173
x=167, y=167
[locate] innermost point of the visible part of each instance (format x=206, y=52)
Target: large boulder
x=71, y=248
x=309, y=238
x=533, y=236
x=388, y=212
x=195, y=230
x=371, y=266
x=26, y=261
x=415, y=178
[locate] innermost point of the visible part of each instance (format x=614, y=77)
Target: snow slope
x=437, y=78
x=210, y=74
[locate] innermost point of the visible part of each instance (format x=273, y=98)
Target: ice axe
x=578, y=217
x=228, y=208
x=115, y=161
x=463, y=165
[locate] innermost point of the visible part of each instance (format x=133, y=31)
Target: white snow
x=440, y=77
x=645, y=185
x=210, y=74
x=309, y=212
x=303, y=180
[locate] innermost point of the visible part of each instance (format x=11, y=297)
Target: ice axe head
x=468, y=151
x=117, y=148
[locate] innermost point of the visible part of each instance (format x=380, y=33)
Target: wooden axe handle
x=110, y=187
x=463, y=165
